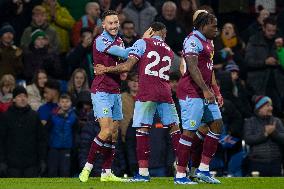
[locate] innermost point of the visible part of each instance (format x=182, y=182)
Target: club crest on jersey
x=192, y=44
x=105, y=110
x=192, y=123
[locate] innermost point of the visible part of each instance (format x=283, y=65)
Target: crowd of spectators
x=46, y=69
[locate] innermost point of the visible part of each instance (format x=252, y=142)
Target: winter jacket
x=10, y=60
x=81, y=57
x=128, y=102
x=35, y=59
x=175, y=34
x=62, y=23
x=50, y=32
x=23, y=141
x=264, y=148
x=62, y=129
x=35, y=100
x=258, y=76
x=142, y=18
x=5, y=101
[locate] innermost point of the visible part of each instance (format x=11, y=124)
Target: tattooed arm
x=123, y=67
x=191, y=62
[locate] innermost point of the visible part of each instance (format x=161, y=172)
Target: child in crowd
x=62, y=127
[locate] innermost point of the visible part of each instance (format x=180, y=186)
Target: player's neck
x=133, y=93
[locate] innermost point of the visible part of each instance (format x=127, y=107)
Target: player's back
x=153, y=69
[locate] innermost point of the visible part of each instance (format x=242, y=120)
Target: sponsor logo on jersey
x=192, y=123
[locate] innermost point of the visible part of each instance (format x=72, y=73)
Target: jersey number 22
x=161, y=73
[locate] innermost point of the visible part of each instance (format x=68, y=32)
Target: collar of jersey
x=196, y=32
x=157, y=37
x=108, y=36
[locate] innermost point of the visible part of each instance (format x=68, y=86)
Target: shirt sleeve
x=118, y=51
x=192, y=46
x=138, y=49
x=102, y=43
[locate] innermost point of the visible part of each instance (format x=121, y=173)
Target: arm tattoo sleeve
x=194, y=71
x=123, y=67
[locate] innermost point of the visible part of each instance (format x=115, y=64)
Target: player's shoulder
x=192, y=40
x=102, y=42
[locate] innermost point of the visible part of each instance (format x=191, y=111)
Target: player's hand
x=218, y=95
x=148, y=33
x=220, y=100
x=100, y=69
x=209, y=96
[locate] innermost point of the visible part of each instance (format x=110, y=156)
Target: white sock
x=203, y=167
x=144, y=171
x=88, y=166
x=106, y=171
x=180, y=175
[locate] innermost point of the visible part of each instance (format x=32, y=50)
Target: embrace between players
x=197, y=92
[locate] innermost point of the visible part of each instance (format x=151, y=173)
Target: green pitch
x=156, y=183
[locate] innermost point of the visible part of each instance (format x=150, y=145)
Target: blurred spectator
x=255, y=26
x=22, y=140
x=90, y=20
x=129, y=35
x=19, y=14
x=63, y=129
x=268, y=5
x=128, y=101
x=7, y=85
x=280, y=21
x=142, y=13
x=61, y=20
x=11, y=55
x=40, y=56
x=265, y=75
x=36, y=89
x=264, y=133
x=77, y=83
x=229, y=48
x=76, y=8
x=121, y=17
x=185, y=11
x=88, y=132
x=39, y=21
x=237, y=93
x=51, y=96
x=81, y=56
x=83, y=107
x=231, y=138
x=175, y=32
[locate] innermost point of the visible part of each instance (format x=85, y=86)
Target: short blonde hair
x=8, y=79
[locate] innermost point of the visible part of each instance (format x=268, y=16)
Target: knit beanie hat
x=260, y=101
x=232, y=67
x=19, y=90
x=37, y=33
x=6, y=28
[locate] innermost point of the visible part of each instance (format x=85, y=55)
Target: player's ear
x=103, y=24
